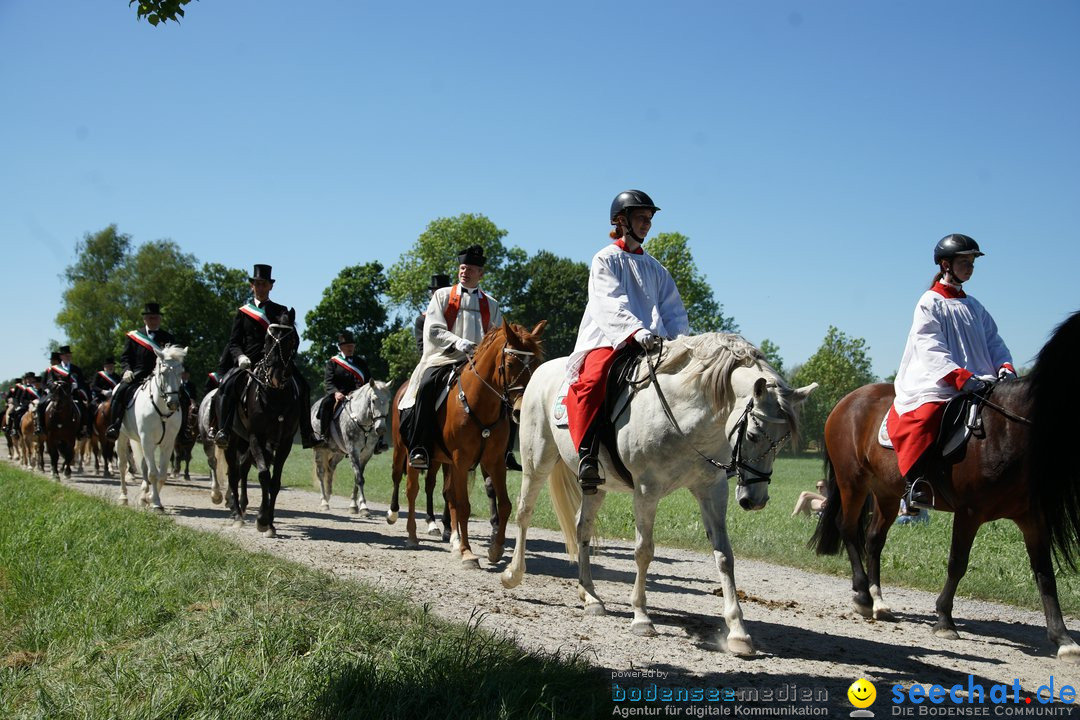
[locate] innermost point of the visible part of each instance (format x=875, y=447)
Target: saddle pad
x=883, y=433
x=558, y=408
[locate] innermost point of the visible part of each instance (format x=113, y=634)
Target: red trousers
x=913, y=432
x=586, y=394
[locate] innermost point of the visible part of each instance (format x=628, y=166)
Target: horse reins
x=737, y=463
x=985, y=399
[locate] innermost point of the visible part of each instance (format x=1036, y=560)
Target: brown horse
x=474, y=426
x=1023, y=469
x=62, y=422
x=101, y=426
x=8, y=419
x=185, y=441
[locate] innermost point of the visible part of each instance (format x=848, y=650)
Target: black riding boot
x=225, y=410
x=39, y=419
x=919, y=488
x=589, y=463
x=511, y=461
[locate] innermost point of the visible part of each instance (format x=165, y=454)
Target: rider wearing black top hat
x=345, y=372
x=245, y=348
x=138, y=360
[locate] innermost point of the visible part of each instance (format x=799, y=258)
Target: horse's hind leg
x=878, y=531
x=590, y=506
x=963, y=535
x=429, y=490
x=359, y=502
x=1038, y=549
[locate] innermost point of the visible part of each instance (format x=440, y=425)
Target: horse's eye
x=753, y=436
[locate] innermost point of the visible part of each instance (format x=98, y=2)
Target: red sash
x=350, y=368
x=146, y=342
x=454, y=305
x=255, y=313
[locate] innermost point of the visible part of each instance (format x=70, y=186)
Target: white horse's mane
x=174, y=353
x=713, y=357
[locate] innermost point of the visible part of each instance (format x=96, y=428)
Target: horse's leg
x=853, y=489
x=321, y=462
x=229, y=458
x=264, y=520
x=429, y=491
x=963, y=534
x=501, y=514
x=493, y=504
x=644, y=518
x=447, y=519
x=459, y=495
x=1038, y=549
x=882, y=519
x=531, y=484
x=713, y=503
x=590, y=506
x=359, y=502
x=397, y=469
x=412, y=487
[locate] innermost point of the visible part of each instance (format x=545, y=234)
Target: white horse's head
x=165, y=381
x=380, y=408
x=758, y=409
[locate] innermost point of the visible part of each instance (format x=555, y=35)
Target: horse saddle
x=962, y=419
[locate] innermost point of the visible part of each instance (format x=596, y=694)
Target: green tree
x=839, y=366
x=772, y=353
x=93, y=302
x=547, y=287
x=435, y=251
x=399, y=353
x=159, y=11
x=351, y=302
x=705, y=314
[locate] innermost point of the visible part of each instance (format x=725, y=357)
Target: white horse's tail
x=566, y=500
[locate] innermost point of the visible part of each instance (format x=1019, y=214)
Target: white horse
x=150, y=425
x=206, y=438
x=719, y=410
x=357, y=431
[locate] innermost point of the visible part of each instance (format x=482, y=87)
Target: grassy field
x=107, y=613
x=915, y=555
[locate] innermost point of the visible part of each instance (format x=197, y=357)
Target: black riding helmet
x=629, y=200
x=950, y=246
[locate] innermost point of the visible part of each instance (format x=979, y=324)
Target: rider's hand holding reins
x=243, y=362
x=645, y=338
x=128, y=375
x=466, y=346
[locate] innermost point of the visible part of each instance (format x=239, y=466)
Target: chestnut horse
x=1023, y=469
x=474, y=426
x=31, y=444
x=62, y=423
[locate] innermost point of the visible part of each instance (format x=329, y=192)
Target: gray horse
x=358, y=429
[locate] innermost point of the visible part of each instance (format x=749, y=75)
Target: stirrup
x=418, y=459
x=916, y=496
x=589, y=475
x=221, y=439
x=512, y=463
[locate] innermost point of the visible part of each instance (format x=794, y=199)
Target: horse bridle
x=738, y=465
x=375, y=416
x=262, y=367
x=525, y=357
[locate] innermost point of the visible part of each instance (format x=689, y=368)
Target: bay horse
x=267, y=418
x=185, y=440
x=151, y=423
x=712, y=393
x=473, y=426
x=399, y=468
x=106, y=445
x=62, y=423
x=1023, y=469
x=357, y=431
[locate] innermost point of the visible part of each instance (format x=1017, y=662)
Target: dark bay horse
x=399, y=468
x=267, y=418
x=108, y=446
x=473, y=427
x=185, y=441
x=62, y=422
x=1025, y=469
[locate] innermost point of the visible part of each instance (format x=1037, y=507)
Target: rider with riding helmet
x=245, y=349
x=631, y=298
x=344, y=373
x=953, y=347
x=456, y=321
x=140, y=356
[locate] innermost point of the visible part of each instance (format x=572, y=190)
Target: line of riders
x=953, y=348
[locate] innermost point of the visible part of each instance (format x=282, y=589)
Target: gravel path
x=807, y=637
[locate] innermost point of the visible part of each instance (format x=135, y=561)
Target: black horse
x=267, y=419
x=1024, y=468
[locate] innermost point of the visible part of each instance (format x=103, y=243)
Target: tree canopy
x=159, y=11
x=705, y=314
x=839, y=366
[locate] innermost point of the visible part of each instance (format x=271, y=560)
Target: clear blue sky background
x=813, y=152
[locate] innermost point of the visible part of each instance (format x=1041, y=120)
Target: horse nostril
x=745, y=503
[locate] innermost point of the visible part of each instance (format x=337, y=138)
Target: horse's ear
x=539, y=328
x=292, y=316
x=802, y=393
x=759, y=387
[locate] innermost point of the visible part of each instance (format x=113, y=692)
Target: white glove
x=128, y=375
x=466, y=346
x=646, y=339
x=1005, y=372
x=243, y=362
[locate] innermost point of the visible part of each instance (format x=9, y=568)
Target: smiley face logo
x=861, y=693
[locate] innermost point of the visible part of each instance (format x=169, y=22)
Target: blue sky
x=813, y=152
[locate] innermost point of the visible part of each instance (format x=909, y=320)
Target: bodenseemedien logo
x=862, y=694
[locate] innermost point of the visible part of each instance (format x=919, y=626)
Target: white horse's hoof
x=391, y=518
x=884, y=614
x=595, y=610
x=740, y=646
x=216, y=497
x=1069, y=653
x=510, y=579
x=865, y=610
x=363, y=511
x=470, y=563
x=433, y=529
x=324, y=505
x=643, y=628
